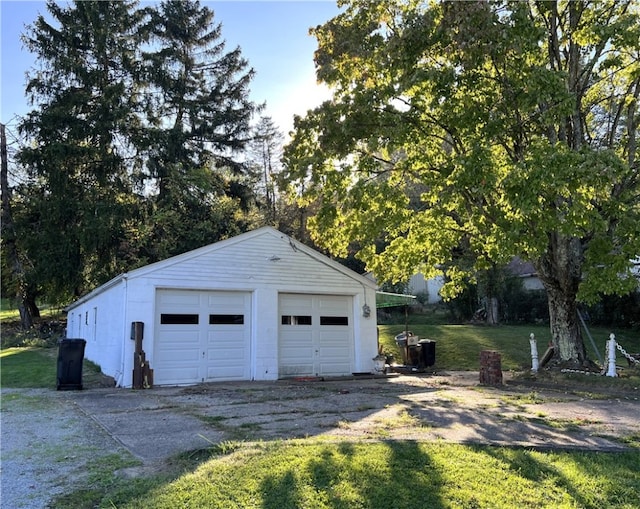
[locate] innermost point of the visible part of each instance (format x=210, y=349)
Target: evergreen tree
x=132, y=145
x=197, y=119
x=78, y=156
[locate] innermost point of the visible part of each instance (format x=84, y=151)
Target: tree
x=516, y=120
x=78, y=155
x=197, y=116
x=133, y=143
x=10, y=252
x=265, y=153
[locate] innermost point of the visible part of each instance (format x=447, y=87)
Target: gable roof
x=221, y=245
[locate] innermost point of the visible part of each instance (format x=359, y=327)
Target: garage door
x=202, y=336
x=315, y=335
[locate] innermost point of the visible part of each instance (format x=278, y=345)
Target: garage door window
x=178, y=319
x=226, y=319
x=334, y=320
x=296, y=320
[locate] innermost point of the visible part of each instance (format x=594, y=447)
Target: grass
x=458, y=347
x=405, y=475
x=34, y=367
x=102, y=478
x=28, y=367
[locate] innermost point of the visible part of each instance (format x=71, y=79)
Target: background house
x=259, y=306
x=527, y=274
x=427, y=287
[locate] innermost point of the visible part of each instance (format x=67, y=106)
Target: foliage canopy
x=132, y=148
x=461, y=134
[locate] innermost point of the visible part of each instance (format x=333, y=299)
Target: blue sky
x=273, y=36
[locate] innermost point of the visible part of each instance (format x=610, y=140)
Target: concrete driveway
x=157, y=423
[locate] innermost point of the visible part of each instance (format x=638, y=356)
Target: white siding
x=418, y=284
x=263, y=263
x=249, y=264
x=100, y=322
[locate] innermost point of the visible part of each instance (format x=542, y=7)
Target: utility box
x=70, y=359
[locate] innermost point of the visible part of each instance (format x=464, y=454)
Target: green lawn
x=34, y=367
x=28, y=367
x=8, y=312
x=458, y=346
x=311, y=474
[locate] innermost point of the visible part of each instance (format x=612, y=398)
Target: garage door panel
x=227, y=301
x=179, y=335
x=296, y=345
x=226, y=348
x=226, y=372
x=335, y=305
x=214, y=346
x=293, y=335
x=315, y=335
x=177, y=356
x=334, y=368
x=181, y=298
x=296, y=354
x=173, y=356
x=302, y=369
x=296, y=304
x=333, y=352
x=175, y=375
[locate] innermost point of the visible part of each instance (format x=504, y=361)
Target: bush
x=45, y=334
x=615, y=311
x=525, y=306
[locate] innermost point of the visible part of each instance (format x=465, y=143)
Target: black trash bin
x=427, y=352
x=70, y=358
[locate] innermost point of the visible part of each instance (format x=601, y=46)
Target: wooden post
x=142, y=373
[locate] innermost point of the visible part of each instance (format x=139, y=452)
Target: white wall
x=100, y=322
x=418, y=284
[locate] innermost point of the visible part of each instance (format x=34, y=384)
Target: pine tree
x=78, y=157
x=197, y=116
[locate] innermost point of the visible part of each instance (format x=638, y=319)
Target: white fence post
x=534, y=352
x=611, y=355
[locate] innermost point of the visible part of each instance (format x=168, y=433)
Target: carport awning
x=389, y=300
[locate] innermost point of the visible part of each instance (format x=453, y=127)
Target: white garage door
x=201, y=336
x=315, y=335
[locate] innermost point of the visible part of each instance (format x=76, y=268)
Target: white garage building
x=259, y=306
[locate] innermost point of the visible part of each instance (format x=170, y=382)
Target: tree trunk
x=30, y=303
x=566, y=334
x=491, y=305
x=9, y=238
x=560, y=270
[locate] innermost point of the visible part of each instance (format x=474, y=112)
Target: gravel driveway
x=48, y=447
x=52, y=440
